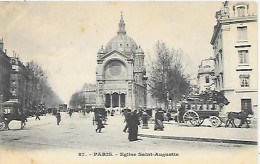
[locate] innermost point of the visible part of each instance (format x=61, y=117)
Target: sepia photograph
x=129, y=82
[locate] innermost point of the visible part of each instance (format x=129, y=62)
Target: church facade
x=121, y=73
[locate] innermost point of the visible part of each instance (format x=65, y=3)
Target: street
x=77, y=135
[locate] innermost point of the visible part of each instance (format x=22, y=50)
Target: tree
x=38, y=88
x=77, y=99
x=168, y=80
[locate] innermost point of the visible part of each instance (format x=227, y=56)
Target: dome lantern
x=121, y=25
x=122, y=42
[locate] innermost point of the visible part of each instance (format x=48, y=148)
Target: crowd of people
x=132, y=119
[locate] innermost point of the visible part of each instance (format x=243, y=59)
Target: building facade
x=89, y=92
x=206, y=75
x=234, y=43
x=18, y=82
x=5, y=69
x=121, y=74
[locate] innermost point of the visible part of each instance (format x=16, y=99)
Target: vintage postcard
x=129, y=82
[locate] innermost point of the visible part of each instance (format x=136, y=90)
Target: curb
x=201, y=139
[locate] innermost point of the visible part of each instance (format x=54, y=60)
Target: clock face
x=115, y=68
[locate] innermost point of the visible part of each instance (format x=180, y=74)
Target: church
x=121, y=73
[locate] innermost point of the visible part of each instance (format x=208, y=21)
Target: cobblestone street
x=77, y=135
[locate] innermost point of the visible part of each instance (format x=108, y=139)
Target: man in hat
x=58, y=116
x=99, y=124
x=37, y=113
x=127, y=115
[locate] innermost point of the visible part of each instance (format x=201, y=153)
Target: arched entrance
x=122, y=100
x=108, y=100
x=115, y=100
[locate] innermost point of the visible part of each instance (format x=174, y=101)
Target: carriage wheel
x=191, y=117
x=215, y=121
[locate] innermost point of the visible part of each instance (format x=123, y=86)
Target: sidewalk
x=203, y=133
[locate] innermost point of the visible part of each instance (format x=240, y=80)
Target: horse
x=238, y=115
x=18, y=117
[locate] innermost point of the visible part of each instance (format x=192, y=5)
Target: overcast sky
x=64, y=37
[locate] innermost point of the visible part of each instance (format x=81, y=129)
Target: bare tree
x=39, y=90
x=168, y=80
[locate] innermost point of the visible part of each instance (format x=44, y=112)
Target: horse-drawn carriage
x=11, y=111
x=99, y=112
x=194, y=112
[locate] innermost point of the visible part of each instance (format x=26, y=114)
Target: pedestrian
x=181, y=112
x=112, y=112
x=127, y=115
x=133, y=126
x=37, y=114
x=159, y=117
x=70, y=112
x=99, y=124
x=58, y=116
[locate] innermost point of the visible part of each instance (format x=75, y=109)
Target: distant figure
x=181, y=112
x=70, y=112
x=37, y=114
x=133, y=126
x=159, y=117
x=83, y=112
x=127, y=115
x=112, y=112
x=58, y=116
x=99, y=124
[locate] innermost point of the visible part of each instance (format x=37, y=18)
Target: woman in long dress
x=133, y=126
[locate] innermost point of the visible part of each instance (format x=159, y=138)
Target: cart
x=195, y=112
x=99, y=112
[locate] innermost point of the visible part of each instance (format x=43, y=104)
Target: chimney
x=2, y=45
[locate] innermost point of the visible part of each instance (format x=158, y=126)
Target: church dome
x=122, y=42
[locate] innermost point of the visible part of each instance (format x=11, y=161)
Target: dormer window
x=241, y=11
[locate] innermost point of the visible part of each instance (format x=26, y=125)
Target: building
x=234, y=42
x=121, y=74
x=18, y=82
x=206, y=75
x=89, y=91
x=5, y=69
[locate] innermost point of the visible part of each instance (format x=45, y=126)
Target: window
x=246, y=105
x=244, y=80
x=241, y=11
x=207, y=79
x=243, y=56
x=242, y=33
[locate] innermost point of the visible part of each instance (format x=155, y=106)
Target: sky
x=64, y=37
